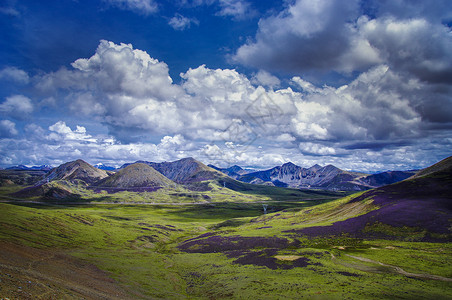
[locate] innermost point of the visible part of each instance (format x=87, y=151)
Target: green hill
x=136, y=175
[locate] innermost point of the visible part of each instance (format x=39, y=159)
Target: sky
x=363, y=85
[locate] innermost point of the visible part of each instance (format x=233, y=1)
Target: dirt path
x=29, y=273
x=400, y=270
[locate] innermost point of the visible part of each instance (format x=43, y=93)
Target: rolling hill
x=135, y=175
x=76, y=170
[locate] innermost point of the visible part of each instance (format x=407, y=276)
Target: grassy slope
x=138, y=246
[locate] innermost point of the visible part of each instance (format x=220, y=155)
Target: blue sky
x=363, y=85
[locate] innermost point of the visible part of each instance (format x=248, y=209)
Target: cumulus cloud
x=61, y=132
x=378, y=105
x=7, y=129
x=14, y=74
x=179, y=22
x=316, y=149
x=132, y=93
x=331, y=35
x=264, y=78
x=145, y=7
x=122, y=86
x=309, y=35
x=412, y=45
x=17, y=106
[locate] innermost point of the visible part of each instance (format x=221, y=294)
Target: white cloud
x=378, y=105
x=14, y=74
x=179, y=22
x=122, y=86
x=330, y=35
x=17, y=106
x=285, y=137
x=238, y=9
x=145, y=7
x=309, y=35
x=7, y=129
x=61, y=132
x=220, y=85
x=412, y=45
x=316, y=149
x=220, y=114
x=266, y=79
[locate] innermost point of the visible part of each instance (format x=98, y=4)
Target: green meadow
x=139, y=245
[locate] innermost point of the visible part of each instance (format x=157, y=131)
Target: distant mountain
x=136, y=175
x=234, y=171
x=291, y=175
x=101, y=166
x=184, y=171
x=318, y=177
x=34, y=168
x=418, y=208
x=74, y=170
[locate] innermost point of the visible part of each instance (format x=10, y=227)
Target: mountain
x=234, y=171
x=184, y=171
x=76, y=170
x=101, y=166
x=34, y=168
x=136, y=175
x=291, y=175
x=318, y=177
x=418, y=209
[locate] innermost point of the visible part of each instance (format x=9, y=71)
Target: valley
x=145, y=233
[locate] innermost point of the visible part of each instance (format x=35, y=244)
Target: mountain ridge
x=185, y=170
x=328, y=177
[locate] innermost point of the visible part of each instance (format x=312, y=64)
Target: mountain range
x=316, y=177
x=196, y=176
x=33, y=168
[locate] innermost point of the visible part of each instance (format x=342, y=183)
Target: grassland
x=223, y=248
